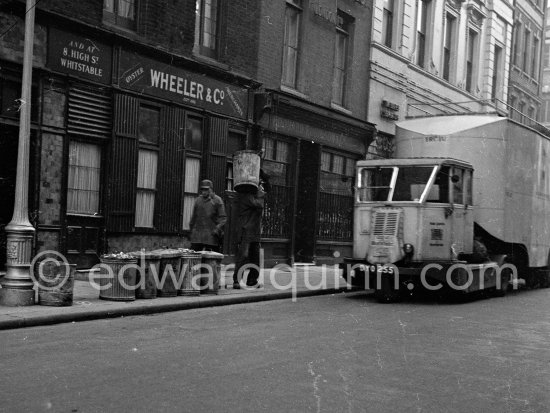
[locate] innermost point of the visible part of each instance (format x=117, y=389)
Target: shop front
x=310, y=153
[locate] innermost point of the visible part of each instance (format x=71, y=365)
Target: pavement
x=278, y=283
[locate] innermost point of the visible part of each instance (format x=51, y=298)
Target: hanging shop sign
x=151, y=77
x=79, y=56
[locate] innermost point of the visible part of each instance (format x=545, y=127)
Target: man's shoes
x=254, y=286
x=236, y=286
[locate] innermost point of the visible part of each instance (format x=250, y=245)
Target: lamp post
x=17, y=285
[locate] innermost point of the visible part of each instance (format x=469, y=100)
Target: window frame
x=289, y=75
x=188, y=195
x=344, y=33
x=145, y=145
x=449, y=46
x=472, y=51
x=388, y=20
x=200, y=30
x=422, y=38
x=114, y=18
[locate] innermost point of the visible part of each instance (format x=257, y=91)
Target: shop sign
x=389, y=110
x=79, y=56
x=166, y=81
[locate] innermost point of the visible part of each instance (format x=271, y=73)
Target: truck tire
x=504, y=284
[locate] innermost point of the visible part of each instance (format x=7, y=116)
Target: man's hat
x=206, y=184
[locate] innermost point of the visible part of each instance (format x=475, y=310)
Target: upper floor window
x=387, y=23
x=471, y=61
x=448, y=46
x=515, y=47
x=525, y=63
x=291, y=43
x=422, y=16
x=207, y=27
x=535, y=58
x=120, y=12
x=497, y=75
x=546, y=56
x=341, y=58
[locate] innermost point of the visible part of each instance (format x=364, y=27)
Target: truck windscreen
x=375, y=183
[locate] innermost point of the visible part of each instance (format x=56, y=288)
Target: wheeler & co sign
x=148, y=76
x=79, y=56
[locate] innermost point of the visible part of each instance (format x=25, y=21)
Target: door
x=9, y=136
x=84, y=218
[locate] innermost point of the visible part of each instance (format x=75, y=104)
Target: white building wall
x=395, y=78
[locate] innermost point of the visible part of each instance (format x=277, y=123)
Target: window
x=341, y=58
x=278, y=165
x=471, y=53
x=84, y=178
x=448, y=45
x=515, y=50
x=512, y=107
x=206, y=27
x=146, y=188
x=422, y=15
x=387, y=23
x=546, y=60
x=10, y=93
x=525, y=62
x=535, y=58
x=497, y=68
x=334, y=219
x=149, y=136
x=291, y=43
x=521, y=109
x=193, y=144
x=120, y=12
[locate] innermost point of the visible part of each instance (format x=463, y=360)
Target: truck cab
x=409, y=213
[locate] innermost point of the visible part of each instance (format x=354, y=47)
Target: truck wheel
x=544, y=277
x=387, y=293
x=504, y=283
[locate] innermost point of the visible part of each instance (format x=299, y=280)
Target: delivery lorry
x=463, y=206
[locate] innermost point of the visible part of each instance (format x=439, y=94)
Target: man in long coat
x=207, y=219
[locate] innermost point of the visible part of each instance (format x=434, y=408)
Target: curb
x=215, y=301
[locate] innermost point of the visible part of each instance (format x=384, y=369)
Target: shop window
x=193, y=144
x=277, y=164
x=193, y=134
x=149, y=124
x=291, y=42
x=341, y=58
x=146, y=188
x=121, y=13
x=83, y=187
x=207, y=22
x=10, y=99
x=336, y=197
x=191, y=188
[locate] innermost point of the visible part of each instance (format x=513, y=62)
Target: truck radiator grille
x=386, y=222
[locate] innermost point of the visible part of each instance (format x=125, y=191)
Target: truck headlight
x=408, y=249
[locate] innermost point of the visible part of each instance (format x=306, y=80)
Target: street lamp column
x=17, y=284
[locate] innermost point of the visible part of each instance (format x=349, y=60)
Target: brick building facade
x=135, y=101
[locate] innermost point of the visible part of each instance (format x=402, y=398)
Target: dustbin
x=210, y=271
x=147, y=274
x=55, y=283
x=169, y=276
x=190, y=262
x=117, y=277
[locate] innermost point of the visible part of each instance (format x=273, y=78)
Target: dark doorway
x=9, y=137
x=306, y=209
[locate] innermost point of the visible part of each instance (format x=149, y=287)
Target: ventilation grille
x=89, y=113
x=386, y=222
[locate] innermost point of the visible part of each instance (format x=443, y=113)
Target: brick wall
x=54, y=107
x=11, y=44
x=51, y=179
